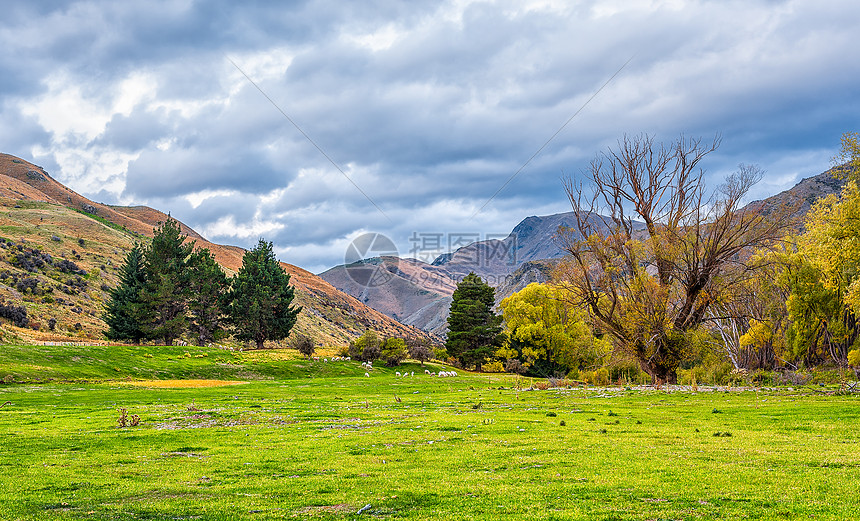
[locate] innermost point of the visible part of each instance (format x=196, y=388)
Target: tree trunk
x=659, y=373
x=259, y=343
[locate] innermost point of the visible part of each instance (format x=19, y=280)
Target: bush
x=366, y=348
x=303, y=344
x=515, y=366
x=17, y=314
x=493, y=367
x=393, y=351
x=419, y=349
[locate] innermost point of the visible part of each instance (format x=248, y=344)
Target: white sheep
x=367, y=375
x=412, y=374
x=325, y=360
x=453, y=373
x=397, y=373
x=427, y=371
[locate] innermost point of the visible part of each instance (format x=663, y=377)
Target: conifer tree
x=208, y=287
x=474, y=331
x=261, y=297
x=125, y=312
x=167, y=284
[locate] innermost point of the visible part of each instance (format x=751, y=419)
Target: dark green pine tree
x=167, y=284
x=474, y=331
x=125, y=313
x=261, y=297
x=208, y=287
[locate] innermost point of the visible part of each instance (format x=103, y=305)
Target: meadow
x=267, y=435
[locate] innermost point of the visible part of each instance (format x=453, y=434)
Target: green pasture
x=319, y=440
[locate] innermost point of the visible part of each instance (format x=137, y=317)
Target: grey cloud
x=431, y=126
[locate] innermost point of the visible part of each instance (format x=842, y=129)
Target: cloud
x=429, y=108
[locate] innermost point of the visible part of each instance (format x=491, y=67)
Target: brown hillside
x=36, y=216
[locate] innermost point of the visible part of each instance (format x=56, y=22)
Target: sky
x=309, y=124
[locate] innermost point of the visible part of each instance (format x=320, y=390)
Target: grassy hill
x=60, y=253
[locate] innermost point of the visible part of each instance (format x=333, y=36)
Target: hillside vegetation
x=39, y=216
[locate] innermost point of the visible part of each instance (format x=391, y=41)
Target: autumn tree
x=824, y=304
x=260, y=298
x=474, y=330
x=125, y=312
x=750, y=316
x=651, y=248
x=546, y=332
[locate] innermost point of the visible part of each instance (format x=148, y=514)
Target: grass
x=319, y=440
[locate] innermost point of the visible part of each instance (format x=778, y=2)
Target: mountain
x=60, y=252
x=419, y=294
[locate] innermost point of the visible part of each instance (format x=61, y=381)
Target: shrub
x=854, y=357
x=17, y=314
x=419, y=349
x=303, y=344
x=493, y=367
x=365, y=348
x=514, y=365
x=393, y=351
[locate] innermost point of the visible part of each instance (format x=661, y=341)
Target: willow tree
x=824, y=305
x=652, y=248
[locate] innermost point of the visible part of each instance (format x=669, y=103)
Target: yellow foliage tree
x=825, y=303
x=547, y=332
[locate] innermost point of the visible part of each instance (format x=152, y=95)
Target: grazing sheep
x=397, y=373
x=427, y=371
x=367, y=375
x=325, y=360
x=412, y=374
x=453, y=373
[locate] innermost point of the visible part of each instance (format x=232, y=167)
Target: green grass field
x=315, y=440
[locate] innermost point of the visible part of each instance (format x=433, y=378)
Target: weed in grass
x=551, y=414
x=562, y=423
x=610, y=413
x=716, y=411
x=125, y=421
x=602, y=431
x=638, y=422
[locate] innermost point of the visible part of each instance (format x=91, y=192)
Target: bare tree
x=651, y=248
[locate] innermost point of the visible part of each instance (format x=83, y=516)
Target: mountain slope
x=38, y=215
